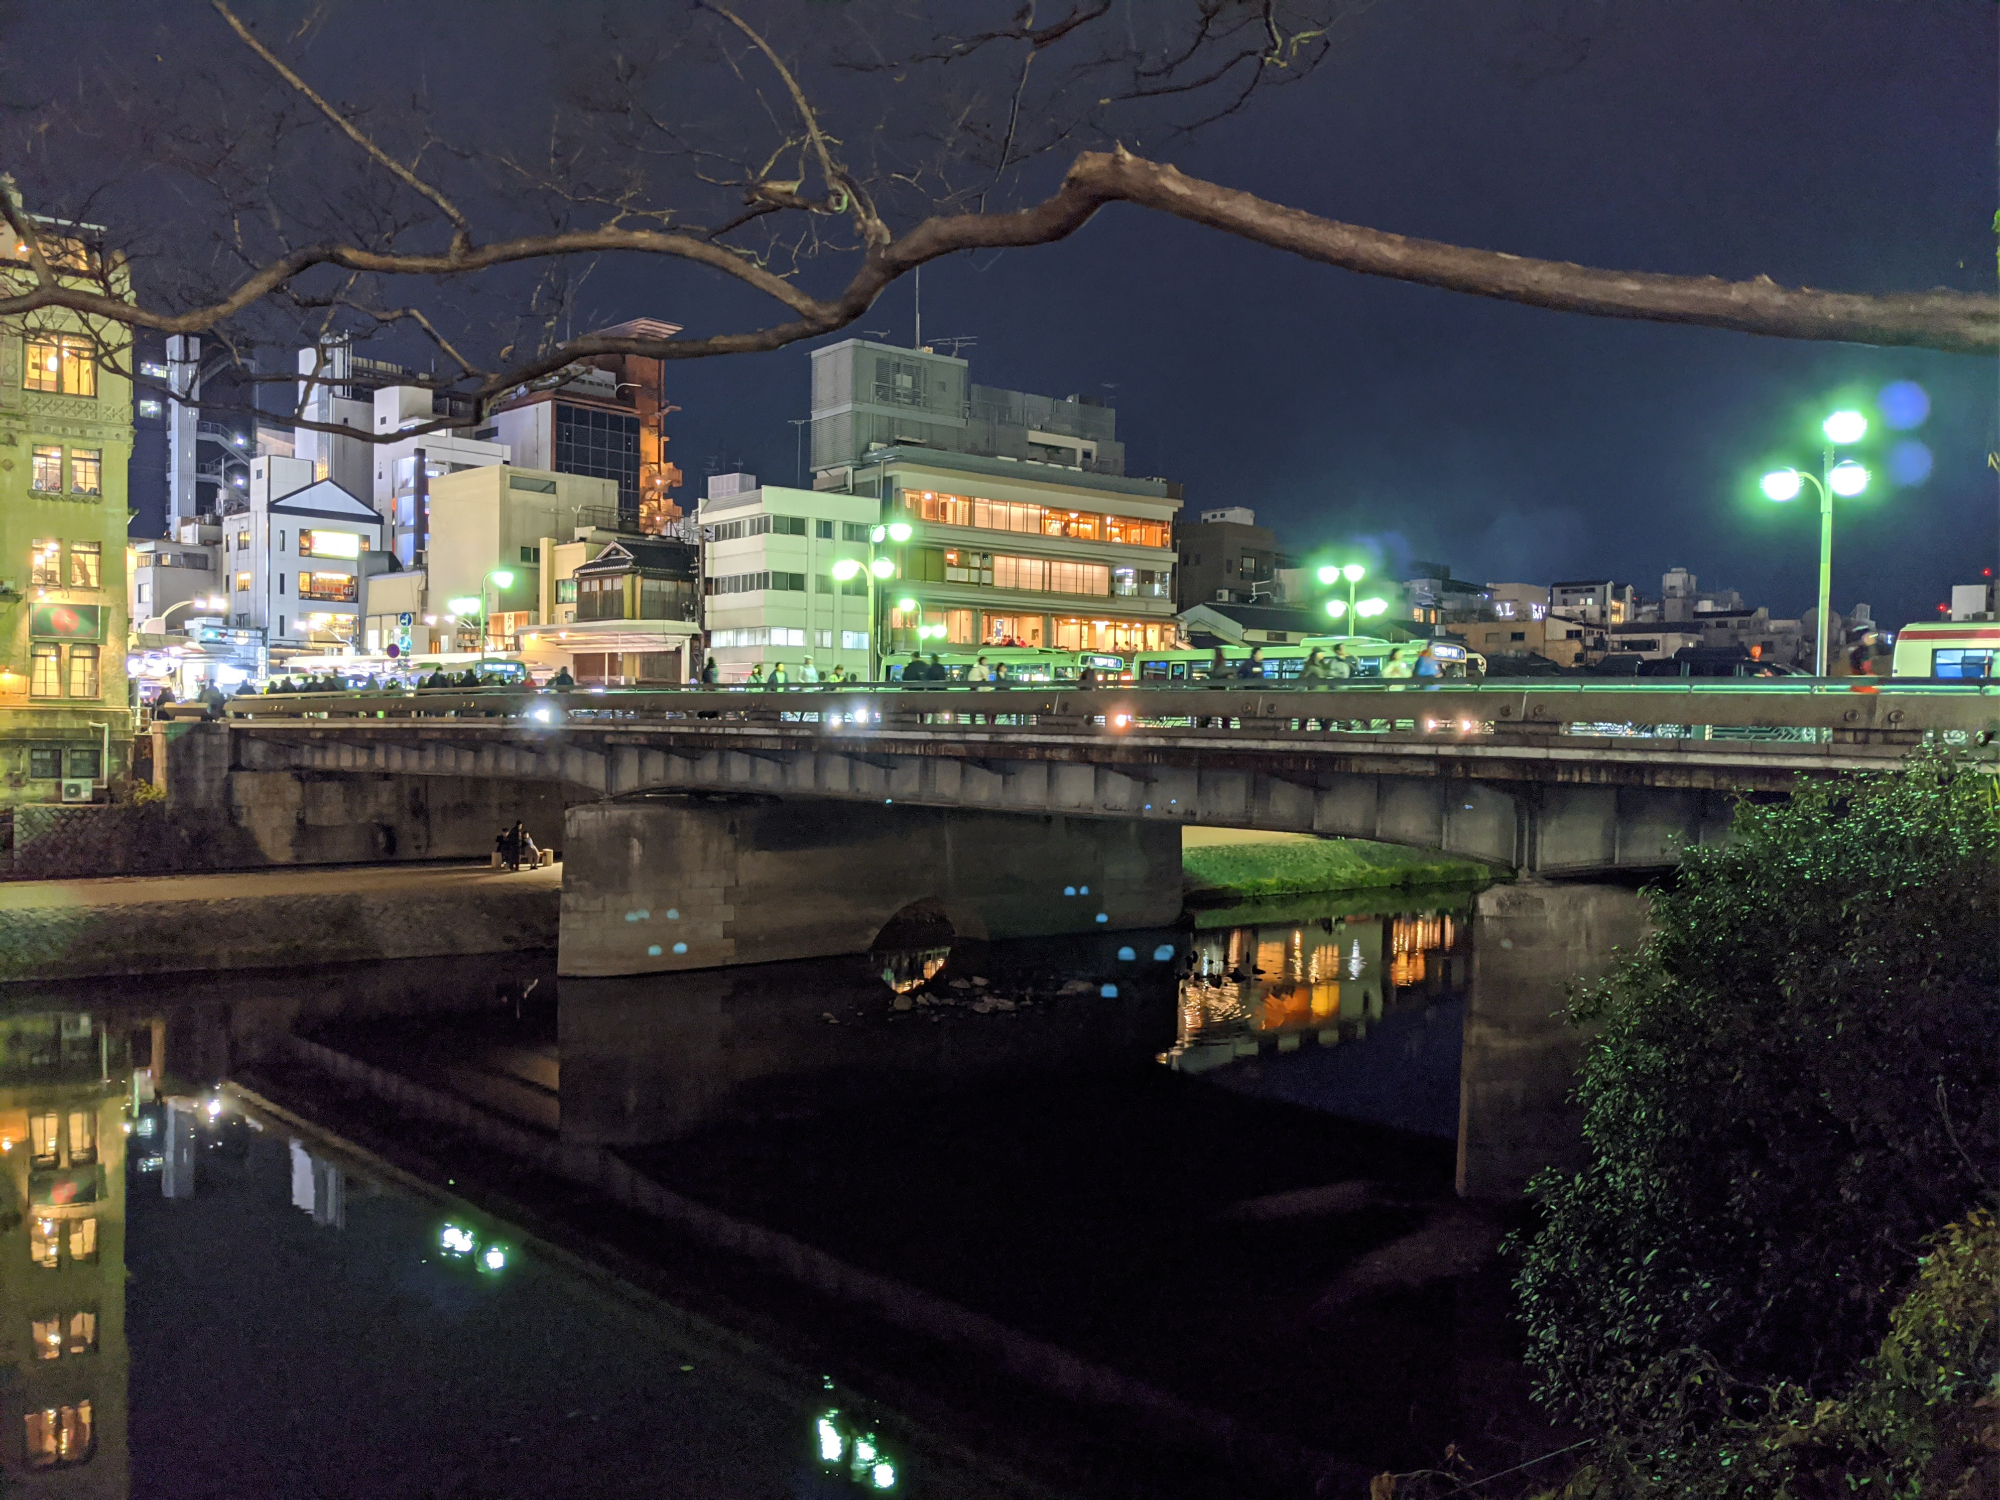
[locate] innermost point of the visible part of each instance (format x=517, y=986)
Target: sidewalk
x=293, y=880
x=271, y=918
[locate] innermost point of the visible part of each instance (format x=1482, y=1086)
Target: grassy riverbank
x=1229, y=864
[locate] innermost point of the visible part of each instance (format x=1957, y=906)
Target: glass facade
x=602, y=444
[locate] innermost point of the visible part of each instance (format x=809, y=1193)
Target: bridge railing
x=1689, y=715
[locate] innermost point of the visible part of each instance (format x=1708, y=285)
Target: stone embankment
x=279, y=918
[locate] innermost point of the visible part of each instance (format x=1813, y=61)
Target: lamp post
x=157, y=625
x=503, y=579
x=876, y=569
x=1845, y=478
x=1351, y=609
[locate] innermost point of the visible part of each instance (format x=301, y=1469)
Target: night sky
x=1836, y=145
x=1845, y=145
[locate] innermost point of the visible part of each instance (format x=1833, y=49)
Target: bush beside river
x=1220, y=864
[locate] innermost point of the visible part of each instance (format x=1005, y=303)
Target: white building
x=293, y=561
x=770, y=591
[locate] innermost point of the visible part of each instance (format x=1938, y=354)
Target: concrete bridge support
x=661, y=883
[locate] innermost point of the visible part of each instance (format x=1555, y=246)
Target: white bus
x=1947, y=650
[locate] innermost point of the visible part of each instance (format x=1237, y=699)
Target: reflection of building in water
x=906, y=969
x=1256, y=986
x=62, y=1258
x=318, y=1187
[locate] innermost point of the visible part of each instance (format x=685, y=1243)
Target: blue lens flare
x=1904, y=404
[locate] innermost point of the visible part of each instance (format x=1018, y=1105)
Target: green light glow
x=907, y=606
x=879, y=534
x=1336, y=607
x=884, y=1476
x=1328, y=574
x=1782, y=484
x=846, y=568
x=1369, y=608
x=1848, y=478
x=899, y=531
x=465, y=606
x=503, y=577
x=1845, y=427
x=831, y=1443
x=1354, y=572
x=882, y=568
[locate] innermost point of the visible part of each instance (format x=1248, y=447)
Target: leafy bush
x=1794, y=1086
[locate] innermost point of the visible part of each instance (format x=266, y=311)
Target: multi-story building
x=65, y=441
x=407, y=468
x=1594, y=601
x=293, y=560
x=632, y=616
x=487, y=523
x=606, y=420
x=1024, y=527
x=770, y=591
x=1518, y=601
x=1227, y=558
x=62, y=1260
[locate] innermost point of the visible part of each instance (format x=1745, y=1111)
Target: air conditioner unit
x=1223, y=596
x=78, y=789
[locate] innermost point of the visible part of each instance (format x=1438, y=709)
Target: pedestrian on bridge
x=809, y=673
x=709, y=671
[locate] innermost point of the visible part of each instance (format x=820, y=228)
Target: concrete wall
x=690, y=882
x=239, y=818
x=1531, y=942
x=202, y=933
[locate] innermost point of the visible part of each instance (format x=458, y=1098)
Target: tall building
x=65, y=441
x=1024, y=526
x=606, y=419
x=1227, y=558
x=292, y=559
x=62, y=1259
x=771, y=595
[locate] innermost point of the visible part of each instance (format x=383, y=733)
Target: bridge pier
x=691, y=881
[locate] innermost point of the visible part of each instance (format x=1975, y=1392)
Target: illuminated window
x=148, y=407
x=83, y=672
x=338, y=587
x=45, y=671
x=58, y=1335
x=330, y=544
x=59, y=363
x=242, y=583
x=58, y=1436
x=45, y=1244
x=86, y=564
x=45, y=1139
x=83, y=1241
x=45, y=561
x=47, y=476
x=82, y=1137
x=243, y=541
x=86, y=471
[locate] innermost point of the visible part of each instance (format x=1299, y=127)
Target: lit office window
x=45, y=563
x=58, y=1436
x=45, y=1244
x=45, y=671
x=47, y=475
x=60, y=364
x=83, y=1241
x=45, y=1139
x=86, y=471
x=82, y=1137
x=83, y=680
x=86, y=565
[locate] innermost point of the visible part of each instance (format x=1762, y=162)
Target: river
x=1247, y=1174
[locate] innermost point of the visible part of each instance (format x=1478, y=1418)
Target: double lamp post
x=1843, y=477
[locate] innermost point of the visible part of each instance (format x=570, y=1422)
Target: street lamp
x=157, y=625
x=1845, y=479
x=1353, y=573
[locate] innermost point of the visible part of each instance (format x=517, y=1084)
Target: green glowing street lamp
x=1348, y=609
x=1845, y=479
x=875, y=570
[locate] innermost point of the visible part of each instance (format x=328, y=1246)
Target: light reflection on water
x=1271, y=988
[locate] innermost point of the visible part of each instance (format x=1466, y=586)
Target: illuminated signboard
x=67, y=622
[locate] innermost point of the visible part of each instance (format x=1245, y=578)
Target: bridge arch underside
x=1513, y=815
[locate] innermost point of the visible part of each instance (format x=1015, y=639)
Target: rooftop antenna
x=956, y=342
x=920, y=308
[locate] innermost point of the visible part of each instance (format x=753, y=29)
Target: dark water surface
x=1242, y=1161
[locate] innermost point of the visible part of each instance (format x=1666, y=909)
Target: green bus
x=1281, y=663
x=1023, y=664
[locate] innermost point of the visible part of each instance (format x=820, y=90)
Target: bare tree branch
x=461, y=240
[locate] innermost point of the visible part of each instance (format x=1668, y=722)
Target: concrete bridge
x=970, y=793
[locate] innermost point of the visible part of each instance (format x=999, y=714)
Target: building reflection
x=1250, y=989
x=62, y=1257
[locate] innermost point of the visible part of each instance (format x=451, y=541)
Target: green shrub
x=1795, y=1084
